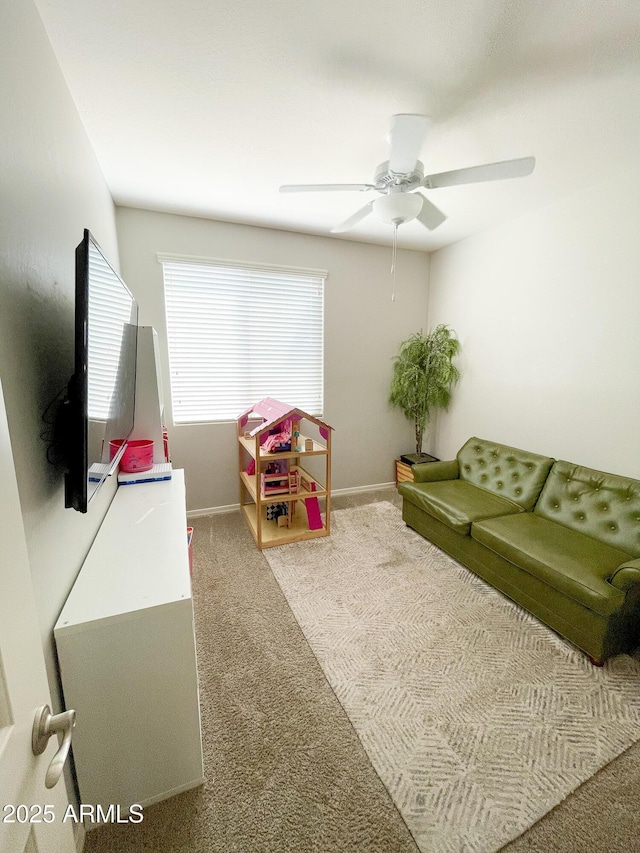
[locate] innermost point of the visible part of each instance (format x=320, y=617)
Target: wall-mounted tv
x=99, y=407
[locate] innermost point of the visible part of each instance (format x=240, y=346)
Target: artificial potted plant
x=423, y=376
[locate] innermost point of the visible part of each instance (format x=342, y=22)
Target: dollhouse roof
x=274, y=412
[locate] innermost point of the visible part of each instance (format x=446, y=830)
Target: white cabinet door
x=25, y=823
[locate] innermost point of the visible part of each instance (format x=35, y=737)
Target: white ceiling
x=205, y=107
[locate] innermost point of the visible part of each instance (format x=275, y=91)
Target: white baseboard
x=212, y=510
x=357, y=489
x=354, y=490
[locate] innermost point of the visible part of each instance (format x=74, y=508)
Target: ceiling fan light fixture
x=397, y=207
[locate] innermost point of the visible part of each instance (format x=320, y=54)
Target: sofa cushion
x=456, y=503
x=517, y=475
x=570, y=562
x=604, y=506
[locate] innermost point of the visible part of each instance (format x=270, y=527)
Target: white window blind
x=237, y=334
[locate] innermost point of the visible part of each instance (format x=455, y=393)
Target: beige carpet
x=477, y=718
x=284, y=770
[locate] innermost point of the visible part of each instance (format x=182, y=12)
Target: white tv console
x=126, y=649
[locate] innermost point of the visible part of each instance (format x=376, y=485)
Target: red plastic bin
x=138, y=455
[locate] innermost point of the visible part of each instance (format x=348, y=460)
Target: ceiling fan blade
x=406, y=138
x=430, y=215
x=312, y=188
x=519, y=168
x=353, y=219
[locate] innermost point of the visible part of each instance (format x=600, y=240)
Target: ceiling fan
x=400, y=179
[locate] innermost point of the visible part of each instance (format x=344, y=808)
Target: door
x=31, y=816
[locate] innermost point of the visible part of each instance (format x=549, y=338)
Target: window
x=237, y=334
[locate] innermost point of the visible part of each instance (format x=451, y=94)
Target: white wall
x=547, y=308
x=50, y=189
x=363, y=329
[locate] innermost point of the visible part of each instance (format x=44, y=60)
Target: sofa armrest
x=626, y=575
x=429, y=472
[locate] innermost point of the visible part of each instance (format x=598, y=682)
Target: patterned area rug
x=477, y=718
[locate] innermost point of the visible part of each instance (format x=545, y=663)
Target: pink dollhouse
x=281, y=500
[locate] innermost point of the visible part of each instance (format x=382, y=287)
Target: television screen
x=101, y=394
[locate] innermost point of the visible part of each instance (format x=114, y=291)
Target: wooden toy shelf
x=281, y=478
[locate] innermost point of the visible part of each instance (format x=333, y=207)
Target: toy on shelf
x=279, y=480
x=279, y=513
x=313, y=511
x=296, y=436
x=272, y=448
x=278, y=441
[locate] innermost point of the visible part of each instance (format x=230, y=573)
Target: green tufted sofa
x=561, y=540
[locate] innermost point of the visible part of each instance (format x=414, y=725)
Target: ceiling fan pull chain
x=394, y=254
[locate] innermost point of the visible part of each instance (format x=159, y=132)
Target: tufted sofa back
x=506, y=471
x=603, y=506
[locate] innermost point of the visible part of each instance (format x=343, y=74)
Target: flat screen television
x=98, y=411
